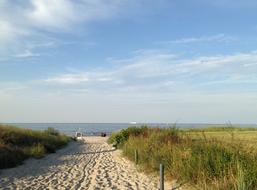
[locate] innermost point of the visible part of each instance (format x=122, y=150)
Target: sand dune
x=90, y=164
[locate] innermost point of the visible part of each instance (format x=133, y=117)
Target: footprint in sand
x=90, y=164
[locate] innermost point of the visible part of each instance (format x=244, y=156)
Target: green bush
x=122, y=136
x=10, y=157
x=36, y=151
x=17, y=144
x=52, y=131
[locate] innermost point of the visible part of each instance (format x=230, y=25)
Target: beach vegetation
x=202, y=161
x=17, y=144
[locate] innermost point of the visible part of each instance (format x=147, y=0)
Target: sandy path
x=89, y=165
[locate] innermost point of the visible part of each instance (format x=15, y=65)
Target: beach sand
x=89, y=164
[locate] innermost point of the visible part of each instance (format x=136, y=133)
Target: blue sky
x=128, y=60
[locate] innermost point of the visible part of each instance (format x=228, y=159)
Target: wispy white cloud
x=27, y=54
x=68, y=79
x=62, y=14
x=164, y=71
x=9, y=37
x=218, y=38
x=250, y=64
x=23, y=23
x=120, y=91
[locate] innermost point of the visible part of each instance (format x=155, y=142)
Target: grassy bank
x=18, y=144
x=201, y=160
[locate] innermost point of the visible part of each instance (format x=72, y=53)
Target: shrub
x=36, y=151
x=52, y=131
x=122, y=136
x=17, y=144
x=10, y=157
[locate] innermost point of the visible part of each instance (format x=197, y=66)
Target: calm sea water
x=95, y=128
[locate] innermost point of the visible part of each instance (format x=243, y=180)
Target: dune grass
x=204, y=163
x=18, y=144
x=221, y=128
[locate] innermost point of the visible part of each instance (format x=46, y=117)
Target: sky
x=128, y=60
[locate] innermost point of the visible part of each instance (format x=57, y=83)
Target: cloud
x=59, y=14
x=148, y=84
x=27, y=54
x=68, y=79
x=62, y=14
x=250, y=64
x=9, y=35
x=218, y=38
x=162, y=71
x=23, y=23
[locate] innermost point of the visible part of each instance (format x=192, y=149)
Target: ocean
x=96, y=128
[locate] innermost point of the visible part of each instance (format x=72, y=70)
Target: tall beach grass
x=18, y=144
x=203, y=163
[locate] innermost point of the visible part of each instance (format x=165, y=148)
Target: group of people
x=80, y=134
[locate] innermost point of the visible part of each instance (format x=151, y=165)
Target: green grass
x=195, y=157
x=18, y=144
x=222, y=128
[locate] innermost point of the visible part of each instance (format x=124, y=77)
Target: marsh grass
x=18, y=144
x=206, y=163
